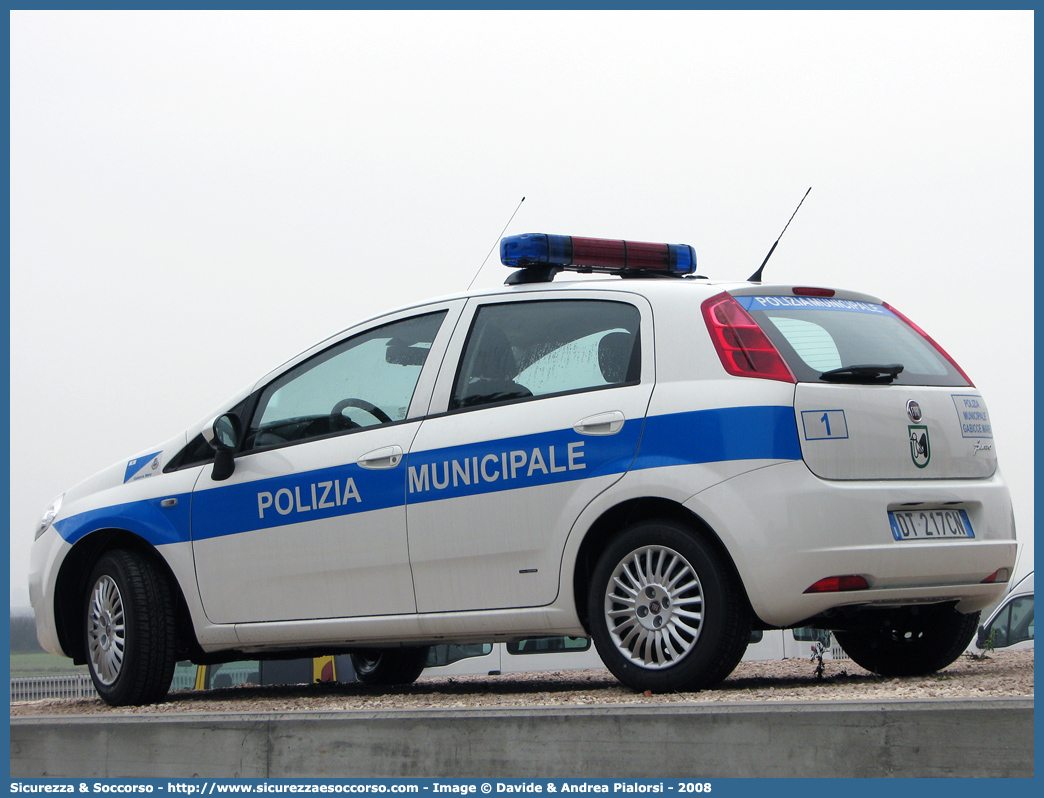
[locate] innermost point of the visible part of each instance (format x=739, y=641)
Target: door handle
x=601, y=424
x=388, y=457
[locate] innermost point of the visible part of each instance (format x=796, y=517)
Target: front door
x=312, y=523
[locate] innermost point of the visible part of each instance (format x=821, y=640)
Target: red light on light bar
x=601, y=253
x=814, y=291
x=838, y=584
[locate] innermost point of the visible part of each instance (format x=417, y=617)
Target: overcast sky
x=196, y=196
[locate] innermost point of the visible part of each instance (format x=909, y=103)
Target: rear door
x=538, y=408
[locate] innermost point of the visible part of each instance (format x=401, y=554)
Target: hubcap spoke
x=689, y=630
x=633, y=632
x=673, y=652
x=686, y=587
x=627, y=588
x=696, y=616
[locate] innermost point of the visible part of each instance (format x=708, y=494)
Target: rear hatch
x=876, y=398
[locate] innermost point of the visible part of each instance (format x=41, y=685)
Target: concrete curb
x=931, y=738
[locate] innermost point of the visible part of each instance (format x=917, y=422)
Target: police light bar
x=551, y=252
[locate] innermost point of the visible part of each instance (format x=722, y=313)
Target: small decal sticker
x=811, y=303
x=974, y=418
x=981, y=447
x=920, y=447
x=141, y=467
x=824, y=425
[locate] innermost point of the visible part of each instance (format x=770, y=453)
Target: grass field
x=42, y=664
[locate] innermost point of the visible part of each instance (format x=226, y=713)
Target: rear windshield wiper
x=869, y=374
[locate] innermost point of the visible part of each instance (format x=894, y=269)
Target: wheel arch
x=617, y=518
x=71, y=586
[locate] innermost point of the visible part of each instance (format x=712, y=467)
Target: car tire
x=130, y=634
x=666, y=610
x=910, y=641
x=388, y=666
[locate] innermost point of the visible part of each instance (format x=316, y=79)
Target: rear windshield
x=817, y=335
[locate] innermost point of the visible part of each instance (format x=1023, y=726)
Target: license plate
x=930, y=524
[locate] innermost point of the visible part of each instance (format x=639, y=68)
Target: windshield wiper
x=869, y=374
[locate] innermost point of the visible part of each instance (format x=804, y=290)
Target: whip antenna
x=473, y=279
x=756, y=277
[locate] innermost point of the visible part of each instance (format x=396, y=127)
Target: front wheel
x=129, y=629
x=388, y=666
x=666, y=611
x=910, y=641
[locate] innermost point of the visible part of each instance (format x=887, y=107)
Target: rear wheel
x=666, y=611
x=389, y=666
x=910, y=641
x=129, y=629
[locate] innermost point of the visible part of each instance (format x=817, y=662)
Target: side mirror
x=224, y=435
x=980, y=636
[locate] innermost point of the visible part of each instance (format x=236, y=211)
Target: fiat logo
x=913, y=410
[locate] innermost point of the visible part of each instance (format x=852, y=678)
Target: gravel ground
x=1005, y=674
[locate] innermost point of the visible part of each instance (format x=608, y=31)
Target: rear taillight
x=838, y=584
x=931, y=340
x=742, y=346
x=1000, y=575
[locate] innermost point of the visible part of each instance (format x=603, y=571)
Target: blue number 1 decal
x=826, y=420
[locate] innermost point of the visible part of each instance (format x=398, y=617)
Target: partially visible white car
x=653, y=460
x=1010, y=626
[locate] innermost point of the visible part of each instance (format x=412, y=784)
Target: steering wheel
x=362, y=404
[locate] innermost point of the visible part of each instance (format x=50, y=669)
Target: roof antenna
x=756, y=277
x=473, y=279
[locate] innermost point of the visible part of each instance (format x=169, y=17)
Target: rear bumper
x=786, y=529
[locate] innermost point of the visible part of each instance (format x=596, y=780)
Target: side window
x=807, y=634
x=520, y=350
x=548, y=645
x=1021, y=627
x=198, y=450
x=999, y=628
x=448, y=654
x=362, y=382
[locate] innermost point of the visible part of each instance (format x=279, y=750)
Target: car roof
x=651, y=287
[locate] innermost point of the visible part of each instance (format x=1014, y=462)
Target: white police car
x=660, y=462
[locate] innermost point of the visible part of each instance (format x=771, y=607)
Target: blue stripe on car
x=158, y=525
x=705, y=436
x=710, y=436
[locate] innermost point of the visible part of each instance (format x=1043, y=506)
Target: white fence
x=78, y=685
x=37, y=688
x=184, y=678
